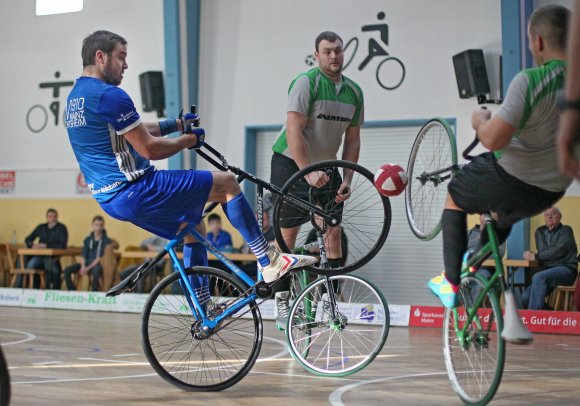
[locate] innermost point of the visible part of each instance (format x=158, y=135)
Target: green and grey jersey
x=530, y=106
x=330, y=107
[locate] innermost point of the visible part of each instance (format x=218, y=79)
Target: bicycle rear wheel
x=181, y=357
x=432, y=163
x=342, y=338
x=475, y=363
x=364, y=218
x=4, y=381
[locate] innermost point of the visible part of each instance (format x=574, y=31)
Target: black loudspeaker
x=471, y=73
x=152, y=92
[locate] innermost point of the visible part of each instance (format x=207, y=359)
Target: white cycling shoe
x=281, y=264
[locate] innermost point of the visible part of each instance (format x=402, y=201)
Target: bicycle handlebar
x=470, y=147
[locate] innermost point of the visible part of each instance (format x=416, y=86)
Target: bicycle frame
x=198, y=310
x=491, y=248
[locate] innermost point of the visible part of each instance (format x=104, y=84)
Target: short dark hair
x=51, y=210
x=326, y=35
x=98, y=218
x=102, y=40
x=551, y=23
x=213, y=217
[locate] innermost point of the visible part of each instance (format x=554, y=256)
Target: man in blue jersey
x=113, y=148
x=521, y=177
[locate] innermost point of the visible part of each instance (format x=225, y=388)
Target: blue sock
x=240, y=214
x=195, y=254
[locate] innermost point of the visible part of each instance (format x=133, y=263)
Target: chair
x=563, y=296
x=27, y=274
x=109, y=262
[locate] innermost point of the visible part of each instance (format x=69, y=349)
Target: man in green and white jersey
x=324, y=107
x=520, y=178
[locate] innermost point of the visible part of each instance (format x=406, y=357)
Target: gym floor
x=93, y=358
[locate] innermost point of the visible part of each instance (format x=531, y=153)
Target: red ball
x=390, y=180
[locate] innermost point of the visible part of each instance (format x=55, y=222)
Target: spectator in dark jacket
x=51, y=234
x=557, y=255
x=90, y=261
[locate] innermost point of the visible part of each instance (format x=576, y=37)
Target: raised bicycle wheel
x=179, y=355
x=4, y=381
x=365, y=217
x=475, y=363
x=341, y=338
x=432, y=163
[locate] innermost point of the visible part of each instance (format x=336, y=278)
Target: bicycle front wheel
x=363, y=219
x=432, y=163
x=475, y=360
x=186, y=359
x=340, y=338
x=4, y=381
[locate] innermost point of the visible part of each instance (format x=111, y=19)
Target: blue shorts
x=160, y=201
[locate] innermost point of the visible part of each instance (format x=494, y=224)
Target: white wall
x=252, y=49
x=33, y=49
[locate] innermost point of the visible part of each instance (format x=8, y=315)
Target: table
x=48, y=252
x=234, y=256
x=510, y=265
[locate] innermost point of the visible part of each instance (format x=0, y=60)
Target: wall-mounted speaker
x=471, y=73
x=152, y=92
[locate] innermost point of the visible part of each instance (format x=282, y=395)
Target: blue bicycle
x=202, y=328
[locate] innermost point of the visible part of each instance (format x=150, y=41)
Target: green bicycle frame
x=491, y=248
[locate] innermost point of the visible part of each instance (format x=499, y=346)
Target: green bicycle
x=475, y=332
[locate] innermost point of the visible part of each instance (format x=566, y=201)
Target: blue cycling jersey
x=97, y=116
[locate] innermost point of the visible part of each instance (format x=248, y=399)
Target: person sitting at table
x=51, y=234
x=90, y=260
x=217, y=235
x=151, y=244
x=557, y=254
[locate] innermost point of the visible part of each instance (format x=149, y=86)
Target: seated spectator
x=151, y=244
x=217, y=236
x=90, y=260
x=51, y=234
x=557, y=255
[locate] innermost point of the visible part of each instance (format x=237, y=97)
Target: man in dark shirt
x=557, y=255
x=51, y=234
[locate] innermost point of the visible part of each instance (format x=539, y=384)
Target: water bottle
x=14, y=240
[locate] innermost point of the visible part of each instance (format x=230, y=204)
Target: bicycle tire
x=347, y=343
x=434, y=149
x=475, y=368
x=167, y=334
x=365, y=218
x=4, y=380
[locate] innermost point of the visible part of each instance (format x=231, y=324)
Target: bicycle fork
x=337, y=320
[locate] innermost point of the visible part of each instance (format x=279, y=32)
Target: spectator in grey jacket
x=557, y=255
x=90, y=261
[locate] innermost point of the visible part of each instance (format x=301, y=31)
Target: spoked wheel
x=432, y=163
x=363, y=219
x=175, y=346
x=475, y=361
x=4, y=381
x=304, y=312
x=339, y=337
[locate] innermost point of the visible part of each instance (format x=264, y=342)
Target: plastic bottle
x=14, y=240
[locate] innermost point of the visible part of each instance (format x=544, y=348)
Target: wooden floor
x=61, y=357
